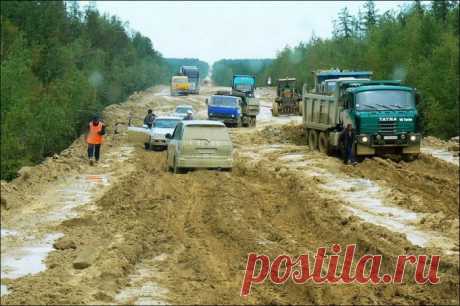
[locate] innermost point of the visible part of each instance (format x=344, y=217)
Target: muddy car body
x=199, y=144
x=161, y=126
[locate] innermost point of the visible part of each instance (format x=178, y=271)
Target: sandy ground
x=128, y=232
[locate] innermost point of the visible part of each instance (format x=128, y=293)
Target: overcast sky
x=214, y=30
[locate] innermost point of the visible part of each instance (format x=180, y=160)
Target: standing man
x=94, y=139
x=188, y=116
x=148, y=120
x=347, y=140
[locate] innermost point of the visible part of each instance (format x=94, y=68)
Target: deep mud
x=151, y=237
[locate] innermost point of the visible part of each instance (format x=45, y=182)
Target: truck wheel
x=323, y=143
x=300, y=109
x=275, y=109
x=239, y=123
x=313, y=139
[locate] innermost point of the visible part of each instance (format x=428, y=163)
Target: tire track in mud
x=160, y=237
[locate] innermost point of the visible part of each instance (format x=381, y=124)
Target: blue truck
x=225, y=108
x=237, y=107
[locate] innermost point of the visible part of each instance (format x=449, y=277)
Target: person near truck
x=148, y=120
x=96, y=132
x=347, y=140
x=189, y=115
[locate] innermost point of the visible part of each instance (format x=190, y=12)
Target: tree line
x=417, y=44
x=224, y=69
x=175, y=64
x=60, y=64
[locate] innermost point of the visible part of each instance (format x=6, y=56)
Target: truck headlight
x=364, y=139
x=210, y=114
x=233, y=116
x=378, y=137
x=403, y=136
x=413, y=138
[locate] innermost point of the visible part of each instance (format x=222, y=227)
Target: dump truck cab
x=384, y=116
x=225, y=108
x=179, y=85
x=245, y=84
x=287, y=99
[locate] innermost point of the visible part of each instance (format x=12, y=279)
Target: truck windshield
x=384, y=99
x=180, y=81
x=330, y=86
x=223, y=101
x=166, y=123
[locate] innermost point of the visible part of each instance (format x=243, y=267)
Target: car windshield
x=182, y=110
x=210, y=133
x=384, y=99
x=223, y=101
x=166, y=123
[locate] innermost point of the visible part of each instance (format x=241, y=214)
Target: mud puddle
x=143, y=288
x=25, y=245
x=364, y=198
x=442, y=154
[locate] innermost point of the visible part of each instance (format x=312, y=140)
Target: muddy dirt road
x=128, y=232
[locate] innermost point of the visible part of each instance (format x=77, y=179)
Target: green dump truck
x=383, y=114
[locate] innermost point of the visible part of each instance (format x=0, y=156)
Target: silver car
x=161, y=126
x=199, y=144
x=181, y=111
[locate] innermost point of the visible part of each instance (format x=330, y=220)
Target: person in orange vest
x=94, y=139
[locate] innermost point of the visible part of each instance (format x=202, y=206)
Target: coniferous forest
x=60, y=64
x=417, y=44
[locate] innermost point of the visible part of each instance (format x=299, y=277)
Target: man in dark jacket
x=347, y=140
x=148, y=120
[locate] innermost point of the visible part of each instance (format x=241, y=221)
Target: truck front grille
x=387, y=127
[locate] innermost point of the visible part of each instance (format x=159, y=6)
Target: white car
x=181, y=111
x=161, y=126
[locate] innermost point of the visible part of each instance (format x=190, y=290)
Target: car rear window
x=211, y=133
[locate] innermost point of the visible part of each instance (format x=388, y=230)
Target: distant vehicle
x=181, y=111
x=383, y=114
x=199, y=144
x=161, y=126
x=179, y=85
x=244, y=86
x=193, y=75
x=226, y=109
x=320, y=76
x=288, y=99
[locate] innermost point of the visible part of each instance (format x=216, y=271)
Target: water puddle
x=143, y=288
x=27, y=259
x=122, y=154
x=442, y=154
x=24, y=248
